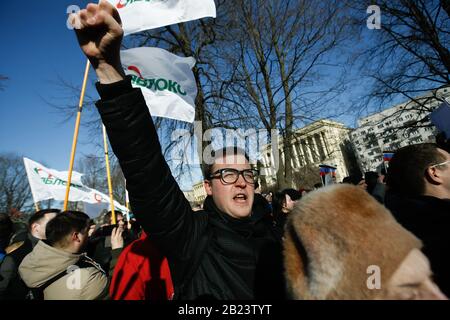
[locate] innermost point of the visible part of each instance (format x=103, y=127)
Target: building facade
x=401, y=125
x=321, y=142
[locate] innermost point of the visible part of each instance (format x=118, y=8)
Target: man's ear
x=434, y=175
x=34, y=227
x=75, y=236
x=208, y=187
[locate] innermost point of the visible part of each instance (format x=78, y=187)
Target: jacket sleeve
x=155, y=197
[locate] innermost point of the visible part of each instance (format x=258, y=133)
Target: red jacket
x=141, y=273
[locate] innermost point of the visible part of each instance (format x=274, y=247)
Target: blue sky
x=36, y=48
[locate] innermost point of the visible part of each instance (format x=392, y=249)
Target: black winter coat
x=211, y=255
x=429, y=219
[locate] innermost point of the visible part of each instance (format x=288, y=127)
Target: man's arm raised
x=155, y=197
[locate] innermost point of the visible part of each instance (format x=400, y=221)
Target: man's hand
x=99, y=32
x=116, y=238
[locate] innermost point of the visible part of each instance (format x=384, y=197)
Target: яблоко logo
x=136, y=69
x=159, y=84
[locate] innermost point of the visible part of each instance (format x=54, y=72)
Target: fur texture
x=333, y=235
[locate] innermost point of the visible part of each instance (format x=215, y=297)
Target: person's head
x=6, y=230
x=340, y=243
x=119, y=218
x=291, y=196
x=230, y=181
x=68, y=231
x=413, y=280
x=354, y=179
x=38, y=222
x=420, y=169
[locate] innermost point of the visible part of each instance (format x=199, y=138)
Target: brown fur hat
x=333, y=235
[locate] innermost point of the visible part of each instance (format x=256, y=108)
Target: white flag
x=47, y=184
x=139, y=15
x=166, y=80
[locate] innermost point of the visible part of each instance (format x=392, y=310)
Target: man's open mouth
x=240, y=197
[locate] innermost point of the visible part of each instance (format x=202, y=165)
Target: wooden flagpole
x=75, y=135
x=108, y=172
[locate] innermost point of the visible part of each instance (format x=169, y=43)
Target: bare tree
x=280, y=52
x=93, y=168
x=15, y=192
x=409, y=57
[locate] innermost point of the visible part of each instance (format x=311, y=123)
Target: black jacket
x=429, y=219
x=211, y=255
x=13, y=287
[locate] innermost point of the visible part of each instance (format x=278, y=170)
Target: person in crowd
x=16, y=288
x=375, y=185
x=141, y=273
x=99, y=245
x=219, y=253
x=6, y=231
x=57, y=269
x=418, y=181
x=357, y=180
x=283, y=203
x=342, y=244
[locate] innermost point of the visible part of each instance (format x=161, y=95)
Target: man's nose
x=240, y=182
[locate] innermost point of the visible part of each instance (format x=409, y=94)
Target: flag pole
x=108, y=172
x=75, y=134
x=127, y=202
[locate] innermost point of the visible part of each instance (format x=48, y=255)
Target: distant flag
x=166, y=80
x=140, y=15
x=328, y=174
x=48, y=183
x=387, y=156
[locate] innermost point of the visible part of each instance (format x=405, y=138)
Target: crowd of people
x=371, y=237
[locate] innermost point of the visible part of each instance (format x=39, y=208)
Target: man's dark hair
x=38, y=215
x=64, y=224
x=107, y=219
x=216, y=154
x=6, y=229
x=408, y=166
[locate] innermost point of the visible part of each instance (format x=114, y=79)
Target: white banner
x=166, y=80
x=139, y=15
x=47, y=184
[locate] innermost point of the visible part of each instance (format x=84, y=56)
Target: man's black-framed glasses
x=230, y=176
